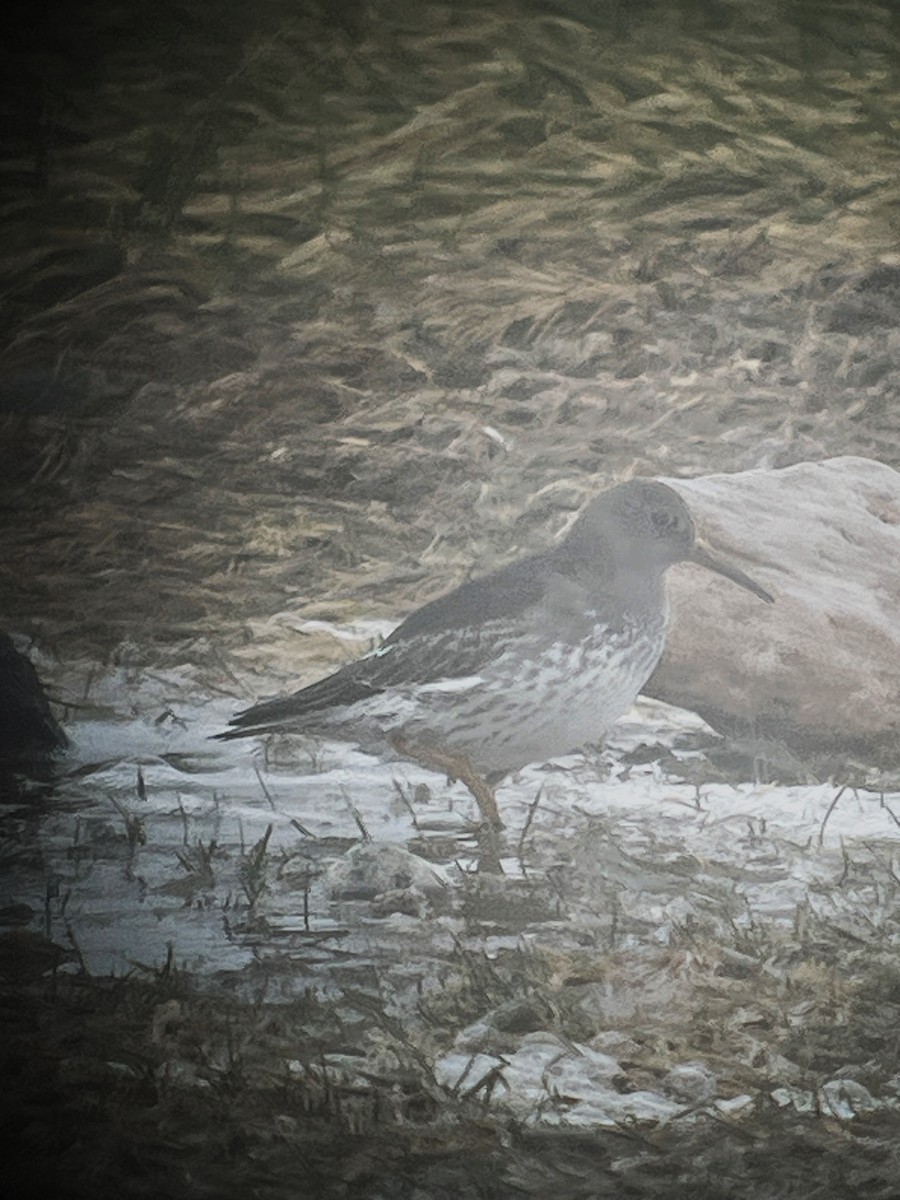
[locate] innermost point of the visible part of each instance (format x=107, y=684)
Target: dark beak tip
x=756, y=590
x=704, y=558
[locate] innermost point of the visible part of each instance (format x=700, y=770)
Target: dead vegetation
x=148, y=1085
x=340, y=305
x=356, y=1044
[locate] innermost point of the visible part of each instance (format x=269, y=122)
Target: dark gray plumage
x=531, y=661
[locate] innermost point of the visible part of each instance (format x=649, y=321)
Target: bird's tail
x=336, y=691
x=267, y=717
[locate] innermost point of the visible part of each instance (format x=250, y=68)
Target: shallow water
x=157, y=842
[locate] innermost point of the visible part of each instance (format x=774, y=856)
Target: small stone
x=407, y=902
x=736, y=1105
x=799, y=1099
x=846, y=1099
x=616, y=1043
x=690, y=1083
x=372, y=869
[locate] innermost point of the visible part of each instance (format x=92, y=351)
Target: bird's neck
x=634, y=590
x=625, y=585
x=640, y=590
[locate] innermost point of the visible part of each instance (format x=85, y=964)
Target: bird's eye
x=662, y=520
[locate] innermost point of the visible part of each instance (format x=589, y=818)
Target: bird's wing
x=507, y=594
x=449, y=640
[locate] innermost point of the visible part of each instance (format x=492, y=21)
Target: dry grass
x=150, y=1087
x=315, y=305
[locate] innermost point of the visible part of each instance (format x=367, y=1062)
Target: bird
x=532, y=661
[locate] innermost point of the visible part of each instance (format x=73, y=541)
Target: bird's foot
x=488, y=842
x=455, y=766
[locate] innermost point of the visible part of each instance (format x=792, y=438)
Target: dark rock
x=28, y=727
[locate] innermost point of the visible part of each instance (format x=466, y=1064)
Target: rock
x=27, y=726
x=799, y=1099
x=476, y=1038
x=819, y=670
x=374, y=869
x=502, y=1029
x=845, y=1099
x=736, y=1106
x=614, y=1110
x=690, y=1083
x=549, y=1081
x=26, y=956
x=465, y=1071
x=581, y=1073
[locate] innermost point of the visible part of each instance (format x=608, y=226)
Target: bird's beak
x=705, y=558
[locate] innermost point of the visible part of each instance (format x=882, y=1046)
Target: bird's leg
x=455, y=766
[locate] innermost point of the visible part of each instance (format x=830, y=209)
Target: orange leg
x=455, y=766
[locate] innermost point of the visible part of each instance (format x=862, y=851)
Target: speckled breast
x=539, y=700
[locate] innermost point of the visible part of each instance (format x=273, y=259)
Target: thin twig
x=532, y=810
x=831, y=807
x=360, y=824
x=408, y=805
x=265, y=790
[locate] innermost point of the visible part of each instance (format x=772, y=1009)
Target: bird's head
x=645, y=526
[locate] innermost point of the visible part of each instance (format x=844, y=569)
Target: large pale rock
x=820, y=668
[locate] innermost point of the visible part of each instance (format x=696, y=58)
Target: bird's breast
x=602, y=672
x=548, y=695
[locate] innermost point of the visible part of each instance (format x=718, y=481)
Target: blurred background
x=326, y=304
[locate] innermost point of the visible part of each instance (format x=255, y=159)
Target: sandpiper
x=530, y=662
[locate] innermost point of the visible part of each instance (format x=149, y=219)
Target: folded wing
x=445, y=643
